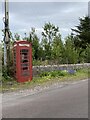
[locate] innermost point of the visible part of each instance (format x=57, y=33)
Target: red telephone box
x=22, y=59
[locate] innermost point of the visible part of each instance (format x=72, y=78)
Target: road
x=69, y=101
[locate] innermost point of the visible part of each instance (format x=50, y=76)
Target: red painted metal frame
x=19, y=45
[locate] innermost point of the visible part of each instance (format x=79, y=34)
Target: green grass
x=45, y=78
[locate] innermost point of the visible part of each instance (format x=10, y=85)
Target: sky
x=25, y=15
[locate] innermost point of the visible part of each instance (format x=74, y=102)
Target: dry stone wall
x=39, y=69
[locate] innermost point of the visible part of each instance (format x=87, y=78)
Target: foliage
x=17, y=36
x=54, y=73
x=12, y=85
x=83, y=33
x=87, y=54
x=49, y=33
x=8, y=71
x=70, y=54
x=57, y=49
x=36, y=48
x=50, y=49
x=0, y=59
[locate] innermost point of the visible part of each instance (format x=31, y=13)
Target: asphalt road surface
x=69, y=101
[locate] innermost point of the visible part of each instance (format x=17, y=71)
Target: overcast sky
x=24, y=15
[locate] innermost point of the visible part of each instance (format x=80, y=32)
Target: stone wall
x=39, y=69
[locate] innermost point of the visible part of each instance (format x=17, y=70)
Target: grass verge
x=46, y=78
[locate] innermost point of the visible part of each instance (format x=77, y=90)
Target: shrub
x=44, y=74
x=54, y=73
x=64, y=72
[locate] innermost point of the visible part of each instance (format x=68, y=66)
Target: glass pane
x=25, y=73
x=24, y=65
x=24, y=51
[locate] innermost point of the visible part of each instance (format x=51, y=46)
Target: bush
x=63, y=73
x=54, y=73
x=44, y=74
x=7, y=74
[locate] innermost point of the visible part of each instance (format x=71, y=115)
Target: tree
x=70, y=54
x=57, y=49
x=82, y=33
x=17, y=36
x=49, y=33
x=46, y=48
x=33, y=38
x=87, y=54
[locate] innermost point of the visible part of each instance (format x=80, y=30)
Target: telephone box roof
x=22, y=41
